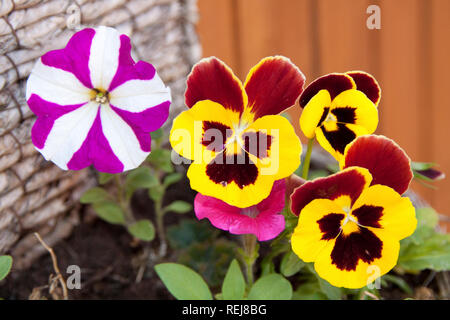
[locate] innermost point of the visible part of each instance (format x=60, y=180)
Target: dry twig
x=58, y=276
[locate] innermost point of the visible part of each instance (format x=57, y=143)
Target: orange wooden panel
x=440, y=89
x=402, y=58
x=277, y=27
x=344, y=36
x=218, y=30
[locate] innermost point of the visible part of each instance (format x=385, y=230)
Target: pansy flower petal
x=357, y=259
x=334, y=137
x=233, y=179
x=211, y=79
x=334, y=83
x=382, y=207
x=314, y=113
x=353, y=107
x=366, y=83
x=386, y=161
x=319, y=223
x=199, y=132
x=273, y=85
x=262, y=220
x=348, y=183
x=278, y=149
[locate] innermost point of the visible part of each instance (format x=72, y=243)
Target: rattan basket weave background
x=35, y=195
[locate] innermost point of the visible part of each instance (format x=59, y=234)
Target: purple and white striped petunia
x=94, y=104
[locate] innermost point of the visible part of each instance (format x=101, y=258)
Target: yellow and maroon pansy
x=339, y=107
x=233, y=132
x=350, y=228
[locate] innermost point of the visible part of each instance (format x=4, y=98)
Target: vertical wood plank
x=440, y=129
x=402, y=57
x=344, y=37
x=217, y=30
x=281, y=27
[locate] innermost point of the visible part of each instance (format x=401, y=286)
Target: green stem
x=250, y=252
x=129, y=218
x=160, y=226
x=307, y=160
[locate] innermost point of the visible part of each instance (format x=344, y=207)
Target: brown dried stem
x=59, y=276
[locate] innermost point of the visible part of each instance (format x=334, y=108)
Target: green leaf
x=309, y=291
x=179, y=206
x=422, y=165
x=210, y=259
x=161, y=159
x=402, y=284
x=141, y=177
x=104, y=177
x=5, y=266
x=427, y=220
x=156, y=193
x=233, y=286
x=332, y=292
x=290, y=264
x=142, y=229
x=432, y=253
x=158, y=134
x=182, y=282
x=172, y=178
x=95, y=195
x=188, y=232
x=314, y=174
x=271, y=287
x=427, y=217
x=110, y=212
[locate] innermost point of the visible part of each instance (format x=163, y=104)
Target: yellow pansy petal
x=198, y=132
x=282, y=155
x=355, y=260
x=334, y=137
x=238, y=183
x=318, y=224
x=353, y=107
x=314, y=113
x=382, y=207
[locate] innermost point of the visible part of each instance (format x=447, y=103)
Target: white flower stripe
x=139, y=95
x=104, y=57
x=122, y=139
x=56, y=85
x=68, y=134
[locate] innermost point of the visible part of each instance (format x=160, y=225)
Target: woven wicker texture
x=35, y=195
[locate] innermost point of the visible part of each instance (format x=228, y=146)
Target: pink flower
x=94, y=104
x=263, y=219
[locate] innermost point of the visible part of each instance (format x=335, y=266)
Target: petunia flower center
x=100, y=96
